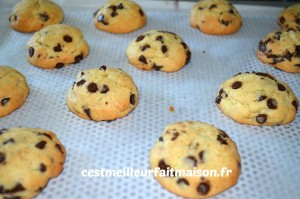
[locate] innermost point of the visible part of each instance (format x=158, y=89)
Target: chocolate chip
x=101, y=19
x=156, y=67
x=262, y=46
x=92, y=88
x=297, y=21
x=297, y=51
x=201, y=156
x=114, y=12
x=103, y=68
x=2, y=131
x=81, y=82
x=44, y=17
x=272, y=103
x=68, y=39
x=224, y=22
x=2, y=158
x=120, y=6
x=87, y=111
x=212, y=6
x=276, y=58
x=11, y=140
x=236, y=85
x=161, y=139
x=188, y=57
x=282, y=20
x=239, y=164
x=163, y=166
x=159, y=38
x=141, y=12
x=78, y=58
x=221, y=140
x=264, y=75
x=15, y=17
x=218, y=99
x=281, y=87
x=261, y=98
x=184, y=45
x=96, y=12
x=183, y=180
x=4, y=101
x=143, y=48
x=17, y=188
x=223, y=133
x=193, y=159
x=45, y=134
x=59, y=65
x=140, y=38
x=164, y=48
x=57, y=48
x=295, y=104
x=13, y=197
x=175, y=136
x=203, y=188
x=31, y=51
x=143, y=59
x=288, y=56
x=261, y=118
x=105, y=89
x=223, y=93
x=43, y=167
x=200, y=8
x=41, y=144
x=58, y=146
x=132, y=99
x=231, y=11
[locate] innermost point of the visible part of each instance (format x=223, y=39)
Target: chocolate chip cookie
x=290, y=17
x=195, y=146
x=56, y=46
x=29, y=158
x=14, y=90
x=33, y=15
x=257, y=99
x=281, y=49
x=216, y=17
x=119, y=16
x=102, y=94
x=158, y=50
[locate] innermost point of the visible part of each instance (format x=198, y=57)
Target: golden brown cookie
x=33, y=15
x=56, y=46
x=216, y=17
x=102, y=94
x=29, y=158
x=119, y=16
x=290, y=17
x=13, y=90
x=194, y=146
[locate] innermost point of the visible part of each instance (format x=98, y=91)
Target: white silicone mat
x=270, y=155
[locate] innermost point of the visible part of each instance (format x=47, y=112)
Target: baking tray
x=270, y=155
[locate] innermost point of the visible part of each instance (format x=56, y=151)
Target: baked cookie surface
x=29, y=158
x=257, y=99
x=102, y=94
x=14, y=90
x=290, y=17
x=119, y=16
x=281, y=49
x=56, y=46
x=158, y=50
x=188, y=145
x=216, y=17
x=33, y=15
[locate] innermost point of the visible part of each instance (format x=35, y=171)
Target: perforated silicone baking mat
x=270, y=155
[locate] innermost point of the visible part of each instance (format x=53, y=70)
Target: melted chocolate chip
x=43, y=167
x=68, y=39
x=276, y=58
x=4, y=101
x=264, y=75
x=59, y=65
x=45, y=134
x=161, y=139
x=13, y=197
x=297, y=21
x=231, y=11
x=17, y=188
x=175, y=136
x=163, y=166
x=78, y=58
x=41, y=144
x=222, y=133
x=57, y=48
x=224, y=22
x=218, y=99
x=277, y=35
x=272, y=103
x=92, y=88
x=200, y=8
x=2, y=131
x=183, y=181
x=164, y=48
x=81, y=82
x=282, y=20
x=297, y=51
x=239, y=164
x=2, y=158
x=87, y=111
x=262, y=46
x=101, y=19
x=143, y=59
x=261, y=98
x=132, y=99
x=288, y=56
x=44, y=17
x=31, y=51
x=141, y=12
x=193, y=159
x=105, y=89
x=261, y=118
x=188, y=57
x=159, y=38
x=212, y=6
x=201, y=156
x=120, y=6
x=184, y=45
x=156, y=67
x=11, y=140
x=281, y=87
x=236, y=85
x=58, y=146
x=140, y=38
x=143, y=48
x=203, y=188
x=221, y=139
x=103, y=68
x=114, y=11
x=295, y=104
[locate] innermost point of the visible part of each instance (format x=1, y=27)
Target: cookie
x=290, y=17
x=216, y=17
x=257, y=99
x=102, y=94
x=281, y=49
x=158, y=50
x=56, y=46
x=29, y=158
x=119, y=16
x=33, y=15
x=14, y=90
x=194, y=146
